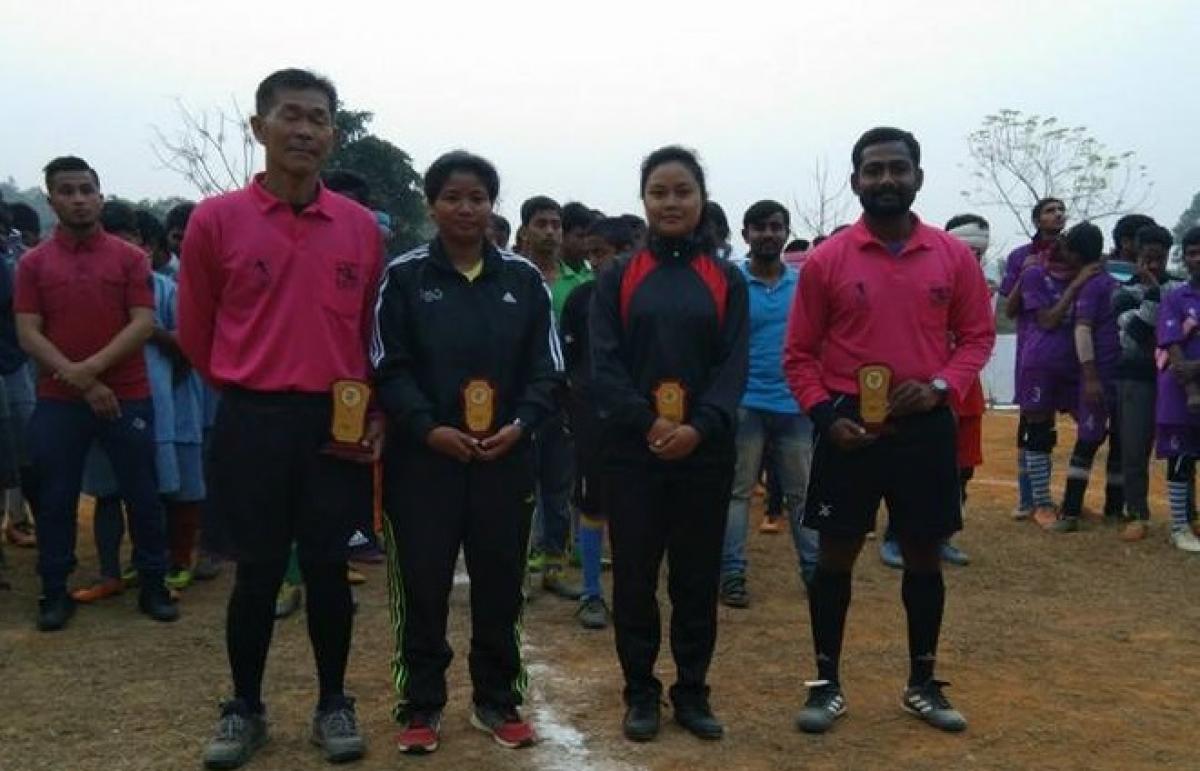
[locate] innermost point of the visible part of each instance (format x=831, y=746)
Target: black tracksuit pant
x=680, y=511
x=435, y=505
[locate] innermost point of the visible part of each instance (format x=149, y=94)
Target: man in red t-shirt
x=85, y=307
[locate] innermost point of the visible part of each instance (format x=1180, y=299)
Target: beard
x=898, y=201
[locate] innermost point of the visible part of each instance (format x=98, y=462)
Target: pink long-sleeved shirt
x=858, y=304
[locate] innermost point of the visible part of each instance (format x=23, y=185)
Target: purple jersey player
x=1178, y=409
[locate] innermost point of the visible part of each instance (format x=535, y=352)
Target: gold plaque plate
x=670, y=401
x=350, y=401
x=479, y=407
x=874, y=387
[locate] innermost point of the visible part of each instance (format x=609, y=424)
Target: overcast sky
x=566, y=98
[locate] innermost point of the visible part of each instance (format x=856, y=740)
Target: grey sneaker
x=825, y=704
x=335, y=730
x=207, y=567
x=890, y=554
x=592, y=613
x=954, y=555
x=927, y=702
x=239, y=734
x=733, y=591
x=288, y=600
x=1065, y=524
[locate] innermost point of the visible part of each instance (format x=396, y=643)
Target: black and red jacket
x=670, y=312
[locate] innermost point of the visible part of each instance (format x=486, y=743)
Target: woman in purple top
x=1178, y=409
x=1098, y=350
x=1049, y=378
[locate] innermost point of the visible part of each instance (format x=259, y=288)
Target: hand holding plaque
x=348, y=424
x=670, y=401
x=874, y=387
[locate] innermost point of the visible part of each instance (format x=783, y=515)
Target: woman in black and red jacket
x=669, y=337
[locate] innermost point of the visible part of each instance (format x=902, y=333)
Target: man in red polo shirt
x=85, y=307
x=276, y=293
x=888, y=291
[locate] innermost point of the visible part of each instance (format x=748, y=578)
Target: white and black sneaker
x=927, y=702
x=825, y=704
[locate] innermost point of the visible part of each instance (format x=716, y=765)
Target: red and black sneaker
x=505, y=725
x=420, y=736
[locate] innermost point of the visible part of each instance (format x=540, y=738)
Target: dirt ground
x=1066, y=651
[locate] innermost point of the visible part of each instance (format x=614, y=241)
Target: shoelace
x=340, y=722
x=231, y=727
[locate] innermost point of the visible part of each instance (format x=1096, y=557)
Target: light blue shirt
x=766, y=387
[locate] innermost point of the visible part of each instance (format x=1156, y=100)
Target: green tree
x=1189, y=219
x=1017, y=159
x=395, y=184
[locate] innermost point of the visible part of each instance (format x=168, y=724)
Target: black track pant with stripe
x=659, y=509
x=435, y=505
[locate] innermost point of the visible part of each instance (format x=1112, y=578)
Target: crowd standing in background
x=623, y=375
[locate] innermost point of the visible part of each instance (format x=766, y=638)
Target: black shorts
x=590, y=493
x=914, y=470
x=270, y=484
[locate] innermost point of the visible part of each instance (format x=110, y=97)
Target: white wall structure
x=997, y=376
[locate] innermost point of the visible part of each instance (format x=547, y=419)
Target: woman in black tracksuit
x=468, y=364
x=669, y=335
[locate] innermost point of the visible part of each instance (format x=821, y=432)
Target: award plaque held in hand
x=670, y=401
x=874, y=387
x=348, y=425
x=479, y=407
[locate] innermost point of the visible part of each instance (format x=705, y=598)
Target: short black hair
x=797, y=245
x=761, y=211
x=1128, y=227
x=178, y=216
x=818, y=240
x=538, y=203
x=615, y=231
x=576, y=215
x=349, y=183
x=1154, y=234
x=154, y=235
x=295, y=80
x=500, y=224
x=118, y=217
x=967, y=219
x=68, y=163
x=461, y=161
x=24, y=217
x=1042, y=204
x=635, y=222
x=1190, y=238
x=673, y=154
x=717, y=222
x=881, y=134
x=1086, y=240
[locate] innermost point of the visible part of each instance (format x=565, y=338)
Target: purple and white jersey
x=1094, y=305
x=1178, y=324
x=1047, y=349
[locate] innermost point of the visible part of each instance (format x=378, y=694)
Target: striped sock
x=1177, y=495
x=1038, y=465
x=1024, y=488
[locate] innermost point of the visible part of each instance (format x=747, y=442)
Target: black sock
x=828, y=602
x=330, y=619
x=924, y=598
x=1078, y=471
x=249, y=623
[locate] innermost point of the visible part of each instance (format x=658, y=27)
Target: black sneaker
x=733, y=591
x=642, y=720
x=1065, y=524
x=825, y=704
x=592, y=613
x=696, y=716
x=927, y=702
x=335, y=730
x=55, y=611
x=239, y=734
x=155, y=601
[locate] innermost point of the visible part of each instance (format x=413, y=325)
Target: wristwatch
x=941, y=388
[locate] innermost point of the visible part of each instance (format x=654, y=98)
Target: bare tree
x=213, y=149
x=1017, y=159
x=829, y=204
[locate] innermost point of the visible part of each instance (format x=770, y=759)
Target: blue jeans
x=554, y=473
x=788, y=439
x=60, y=433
